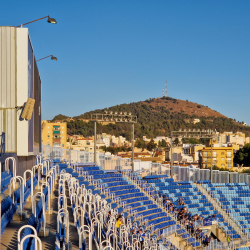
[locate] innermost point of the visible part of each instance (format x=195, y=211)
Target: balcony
x=56, y=132
x=57, y=140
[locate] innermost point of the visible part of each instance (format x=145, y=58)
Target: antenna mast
x=166, y=89
x=163, y=92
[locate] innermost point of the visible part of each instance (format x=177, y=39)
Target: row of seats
x=190, y=194
x=8, y=209
x=5, y=180
x=233, y=197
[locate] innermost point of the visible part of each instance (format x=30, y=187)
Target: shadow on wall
x=23, y=163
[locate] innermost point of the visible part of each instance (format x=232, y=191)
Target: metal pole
x=171, y=160
x=133, y=153
x=95, y=142
x=211, y=159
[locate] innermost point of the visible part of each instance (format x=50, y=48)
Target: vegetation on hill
x=158, y=117
x=60, y=117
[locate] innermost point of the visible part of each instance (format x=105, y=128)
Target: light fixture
x=49, y=20
x=51, y=57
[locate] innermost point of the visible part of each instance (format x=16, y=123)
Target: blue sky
x=112, y=52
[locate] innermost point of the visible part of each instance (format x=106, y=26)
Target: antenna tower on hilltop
x=163, y=92
x=166, y=89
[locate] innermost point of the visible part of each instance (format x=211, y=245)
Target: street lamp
x=49, y=20
x=188, y=133
x=120, y=117
x=51, y=57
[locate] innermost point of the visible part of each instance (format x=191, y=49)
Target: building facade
x=19, y=81
x=222, y=157
x=54, y=134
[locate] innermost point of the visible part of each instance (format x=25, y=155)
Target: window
x=205, y=153
x=205, y=159
x=229, y=160
x=229, y=165
x=229, y=154
x=214, y=154
x=222, y=159
x=62, y=145
x=223, y=165
x=222, y=153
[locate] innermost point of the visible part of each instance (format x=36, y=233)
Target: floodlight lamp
x=51, y=20
x=53, y=58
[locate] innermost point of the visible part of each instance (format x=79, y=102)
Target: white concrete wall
x=22, y=89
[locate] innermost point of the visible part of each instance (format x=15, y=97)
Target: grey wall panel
x=10, y=130
x=7, y=67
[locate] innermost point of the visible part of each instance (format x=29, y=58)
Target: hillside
x=158, y=116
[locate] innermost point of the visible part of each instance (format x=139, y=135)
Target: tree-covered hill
x=157, y=116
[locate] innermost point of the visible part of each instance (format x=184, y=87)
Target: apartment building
x=54, y=134
x=222, y=157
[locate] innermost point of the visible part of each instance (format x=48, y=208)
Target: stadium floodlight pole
x=49, y=20
x=51, y=56
x=206, y=134
x=117, y=117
